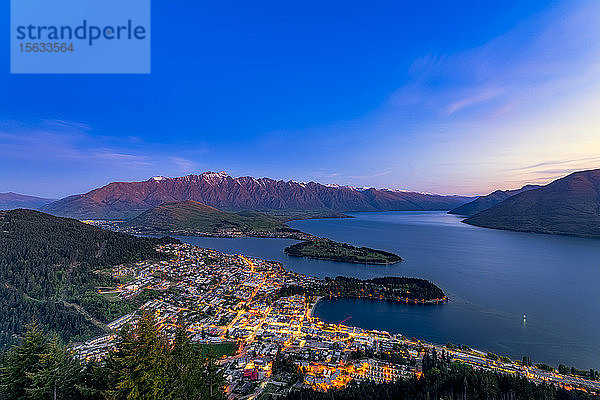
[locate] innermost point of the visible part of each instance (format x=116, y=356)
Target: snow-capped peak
x=213, y=177
x=301, y=184
x=409, y=191
x=210, y=174
x=158, y=178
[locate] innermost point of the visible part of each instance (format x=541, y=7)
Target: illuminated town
x=276, y=345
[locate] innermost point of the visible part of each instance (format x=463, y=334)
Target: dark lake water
x=492, y=278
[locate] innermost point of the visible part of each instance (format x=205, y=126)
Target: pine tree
x=182, y=370
x=140, y=365
x=94, y=381
x=193, y=374
x=56, y=376
x=21, y=361
x=277, y=362
x=213, y=380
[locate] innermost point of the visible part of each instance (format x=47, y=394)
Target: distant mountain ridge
x=124, y=200
x=10, y=201
x=567, y=206
x=485, y=202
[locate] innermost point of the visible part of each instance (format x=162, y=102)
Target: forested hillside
x=47, y=264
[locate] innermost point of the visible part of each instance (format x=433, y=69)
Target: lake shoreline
x=312, y=308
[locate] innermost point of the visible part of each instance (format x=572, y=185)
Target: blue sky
x=447, y=97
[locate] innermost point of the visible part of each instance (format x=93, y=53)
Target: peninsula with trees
x=325, y=249
x=391, y=288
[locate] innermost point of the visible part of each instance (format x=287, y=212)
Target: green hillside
x=47, y=269
x=194, y=217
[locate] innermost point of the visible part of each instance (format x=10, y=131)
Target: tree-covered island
x=408, y=290
x=325, y=249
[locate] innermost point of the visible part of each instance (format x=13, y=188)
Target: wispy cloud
x=544, y=56
x=326, y=174
x=80, y=126
x=547, y=171
x=184, y=165
x=373, y=175
x=585, y=160
x=69, y=152
x=128, y=161
x=59, y=142
x=472, y=119
x=479, y=96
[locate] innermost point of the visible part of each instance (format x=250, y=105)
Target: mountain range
x=125, y=200
x=212, y=202
x=10, y=200
x=485, y=202
x=569, y=206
